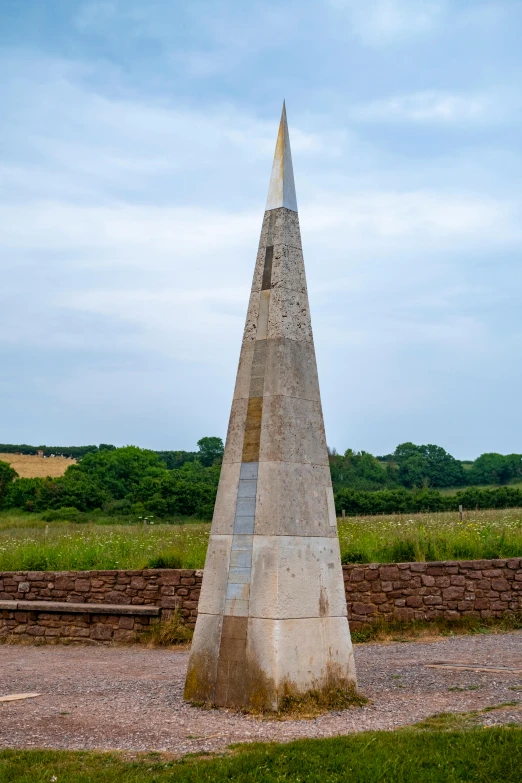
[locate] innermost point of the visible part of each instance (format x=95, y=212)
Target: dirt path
x=130, y=697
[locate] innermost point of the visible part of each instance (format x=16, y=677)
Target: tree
x=210, y=451
x=7, y=476
x=359, y=470
x=430, y=465
x=493, y=468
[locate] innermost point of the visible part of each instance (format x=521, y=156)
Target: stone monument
x=272, y=616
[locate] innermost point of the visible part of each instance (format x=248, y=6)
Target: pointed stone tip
x=281, y=191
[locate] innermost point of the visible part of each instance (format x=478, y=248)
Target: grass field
x=27, y=542
x=31, y=466
x=476, y=755
x=432, y=536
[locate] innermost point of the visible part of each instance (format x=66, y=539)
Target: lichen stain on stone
x=259, y=694
x=323, y=602
x=199, y=684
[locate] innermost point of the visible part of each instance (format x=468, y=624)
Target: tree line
x=421, y=467
x=130, y=480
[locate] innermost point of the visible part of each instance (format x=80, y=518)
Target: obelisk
x=272, y=616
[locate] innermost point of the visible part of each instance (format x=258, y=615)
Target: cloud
x=432, y=107
x=130, y=223
x=383, y=22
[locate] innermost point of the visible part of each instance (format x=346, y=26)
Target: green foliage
x=130, y=480
x=7, y=476
x=76, y=452
x=482, y=535
x=122, y=481
x=400, y=501
x=436, y=752
x=66, y=546
x=359, y=470
x=428, y=466
x=210, y=451
x=172, y=631
x=165, y=560
x=494, y=468
x=176, y=459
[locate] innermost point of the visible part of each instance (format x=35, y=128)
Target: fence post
x=460, y=511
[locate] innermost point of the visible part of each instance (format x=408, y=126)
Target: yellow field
x=30, y=466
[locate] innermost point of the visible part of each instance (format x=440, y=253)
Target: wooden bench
x=64, y=607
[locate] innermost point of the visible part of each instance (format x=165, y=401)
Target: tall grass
x=28, y=543
x=64, y=546
x=426, y=537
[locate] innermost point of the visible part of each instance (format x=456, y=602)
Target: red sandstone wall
x=425, y=591
x=406, y=591
x=167, y=588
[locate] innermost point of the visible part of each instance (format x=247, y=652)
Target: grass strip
x=407, y=756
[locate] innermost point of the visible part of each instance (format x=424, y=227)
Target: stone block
x=389, y=573
x=458, y=580
x=432, y=600
x=295, y=577
x=404, y=613
x=307, y=663
x=236, y=429
x=242, y=386
x=292, y=430
x=213, y=590
x=499, y=585
x=452, y=593
x=225, y=507
x=289, y=315
x=35, y=630
x=291, y=370
x=101, y=632
x=363, y=609
x=291, y=500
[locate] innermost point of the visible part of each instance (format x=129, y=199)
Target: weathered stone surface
x=236, y=429
x=296, y=577
x=291, y=500
x=214, y=587
x=289, y=315
x=284, y=562
x=291, y=370
x=292, y=430
x=244, y=371
x=225, y=507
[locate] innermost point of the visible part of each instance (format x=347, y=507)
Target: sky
x=136, y=144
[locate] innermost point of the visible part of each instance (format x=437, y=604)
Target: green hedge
x=400, y=501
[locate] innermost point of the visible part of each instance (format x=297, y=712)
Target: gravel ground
x=130, y=698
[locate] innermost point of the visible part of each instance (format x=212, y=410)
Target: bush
x=167, y=560
x=400, y=501
x=7, y=476
x=67, y=514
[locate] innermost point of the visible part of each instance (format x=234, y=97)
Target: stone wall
x=426, y=591
x=50, y=627
x=404, y=591
x=167, y=588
